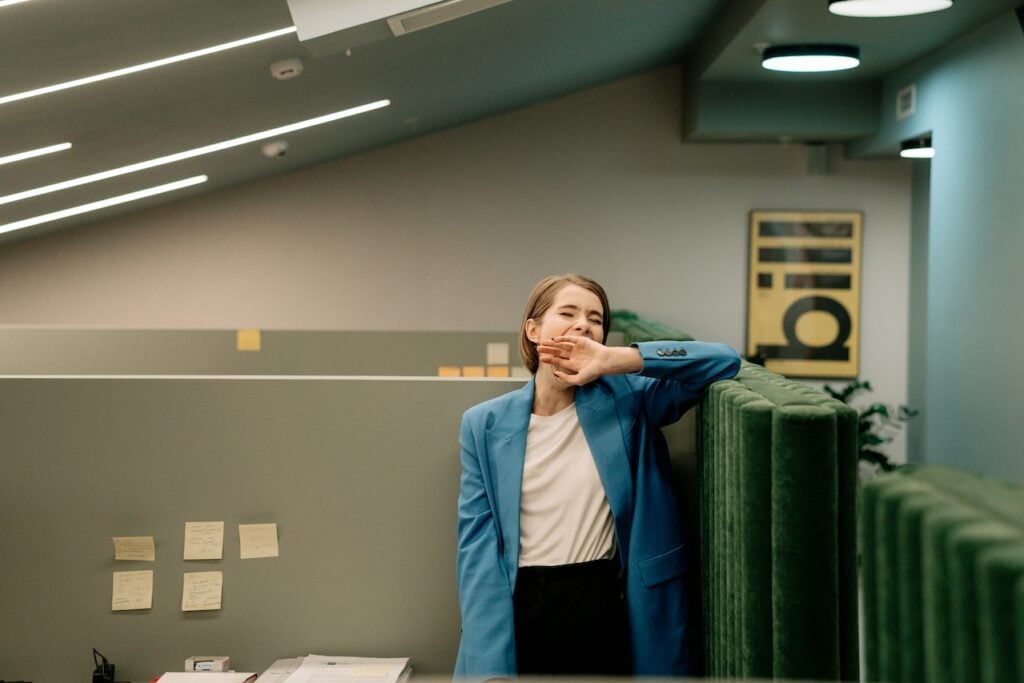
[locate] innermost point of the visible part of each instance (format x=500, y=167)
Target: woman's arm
x=680, y=370
x=675, y=374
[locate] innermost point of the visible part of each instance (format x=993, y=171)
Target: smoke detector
x=277, y=148
x=286, y=68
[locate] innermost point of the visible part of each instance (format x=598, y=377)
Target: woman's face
x=575, y=312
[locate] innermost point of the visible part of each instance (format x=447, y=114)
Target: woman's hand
x=580, y=360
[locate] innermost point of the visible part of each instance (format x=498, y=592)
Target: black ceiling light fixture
x=808, y=58
x=917, y=148
x=886, y=8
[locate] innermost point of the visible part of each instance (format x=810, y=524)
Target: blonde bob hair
x=541, y=298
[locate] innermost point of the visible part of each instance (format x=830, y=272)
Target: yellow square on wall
x=249, y=340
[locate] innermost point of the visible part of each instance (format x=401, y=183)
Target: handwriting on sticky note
x=201, y=591
x=204, y=540
x=132, y=590
x=138, y=548
x=257, y=540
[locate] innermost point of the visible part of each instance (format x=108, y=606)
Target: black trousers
x=571, y=620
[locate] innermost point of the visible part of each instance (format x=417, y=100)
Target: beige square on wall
x=257, y=540
x=201, y=591
x=132, y=590
x=204, y=540
x=134, y=548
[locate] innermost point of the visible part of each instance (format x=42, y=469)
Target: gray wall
x=449, y=231
x=361, y=477
x=971, y=97
x=93, y=351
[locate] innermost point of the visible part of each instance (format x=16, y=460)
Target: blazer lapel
x=600, y=422
x=506, y=440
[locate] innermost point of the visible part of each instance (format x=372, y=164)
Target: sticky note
x=497, y=371
x=132, y=590
x=257, y=540
x=201, y=591
x=204, y=540
x=472, y=371
x=249, y=340
x=138, y=548
x=497, y=354
x=449, y=371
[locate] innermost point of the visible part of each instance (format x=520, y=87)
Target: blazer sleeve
x=487, y=646
x=676, y=373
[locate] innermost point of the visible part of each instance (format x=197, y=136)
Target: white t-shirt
x=564, y=516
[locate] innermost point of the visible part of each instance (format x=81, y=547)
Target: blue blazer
x=620, y=416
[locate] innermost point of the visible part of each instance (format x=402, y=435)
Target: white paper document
x=206, y=677
x=318, y=669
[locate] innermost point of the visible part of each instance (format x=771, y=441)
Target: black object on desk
x=104, y=671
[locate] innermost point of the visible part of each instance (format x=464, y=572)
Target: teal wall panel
x=970, y=96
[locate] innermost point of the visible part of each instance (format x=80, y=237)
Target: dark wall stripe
x=810, y=281
x=803, y=229
x=799, y=255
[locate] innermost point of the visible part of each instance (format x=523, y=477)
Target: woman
x=571, y=557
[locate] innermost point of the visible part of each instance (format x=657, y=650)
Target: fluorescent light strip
x=20, y=156
x=191, y=153
x=5, y=3
x=148, y=65
x=102, y=204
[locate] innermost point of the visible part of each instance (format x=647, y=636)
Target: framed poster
x=803, y=292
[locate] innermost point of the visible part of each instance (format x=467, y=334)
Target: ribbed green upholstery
x=639, y=330
x=778, y=466
x=943, y=569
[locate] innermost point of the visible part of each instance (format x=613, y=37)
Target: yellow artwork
x=803, y=301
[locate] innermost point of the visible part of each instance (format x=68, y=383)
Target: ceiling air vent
x=433, y=15
x=906, y=99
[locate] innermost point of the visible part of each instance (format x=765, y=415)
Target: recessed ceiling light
x=810, y=58
x=917, y=148
x=11, y=158
x=101, y=204
x=886, y=8
x=191, y=153
x=78, y=82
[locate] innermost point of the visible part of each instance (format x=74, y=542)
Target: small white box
x=207, y=663
x=497, y=353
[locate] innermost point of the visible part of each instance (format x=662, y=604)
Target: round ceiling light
x=886, y=8
x=810, y=58
x=917, y=148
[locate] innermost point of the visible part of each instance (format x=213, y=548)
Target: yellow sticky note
x=204, y=540
x=201, y=591
x=497, y=371
x=249, y=340
x=472, y=371
x=138, y=548
x=257, y=540
x=449, y=371
x=132, y=590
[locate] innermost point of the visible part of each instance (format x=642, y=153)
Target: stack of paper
x=206, y=677
x=318, y=668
